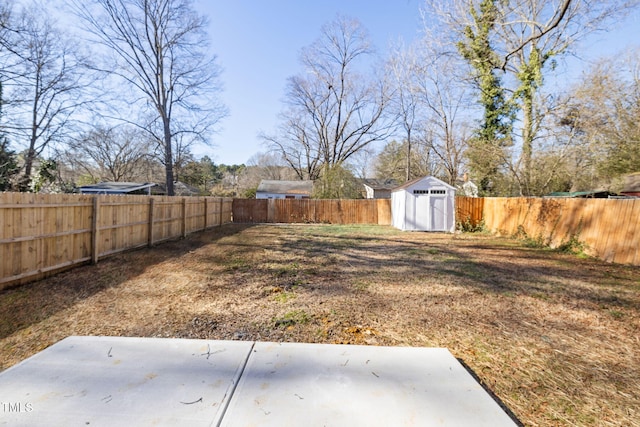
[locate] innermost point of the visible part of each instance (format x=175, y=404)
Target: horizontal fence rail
x=45, y=233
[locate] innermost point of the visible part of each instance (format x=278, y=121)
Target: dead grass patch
x=553, y=336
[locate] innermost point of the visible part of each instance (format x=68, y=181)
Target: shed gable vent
x=420, y=191
x=438, y=191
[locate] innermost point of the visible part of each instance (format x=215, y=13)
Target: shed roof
x=431, y=179
x=285, y=187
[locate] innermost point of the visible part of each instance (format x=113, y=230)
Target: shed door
x=438, y=210
x=422, y=220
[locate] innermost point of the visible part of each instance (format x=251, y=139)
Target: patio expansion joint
x=229, y=396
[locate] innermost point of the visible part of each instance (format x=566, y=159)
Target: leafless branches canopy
x=333, y=110
x=42, y=82
x=158, y=48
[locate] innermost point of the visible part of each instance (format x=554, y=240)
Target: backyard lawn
x=554, y=336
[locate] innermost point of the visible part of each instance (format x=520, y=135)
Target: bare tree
x=602, y=112
x=43, y=84
x=333, y=111
x=269, y=166
x=111, y=154
x=160, y=50
x=391, y=162
x=445, y=99
x=403, y=73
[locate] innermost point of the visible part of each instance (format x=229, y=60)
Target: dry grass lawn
x=554, y=336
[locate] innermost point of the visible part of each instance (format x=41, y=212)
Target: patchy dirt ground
x=555, y=337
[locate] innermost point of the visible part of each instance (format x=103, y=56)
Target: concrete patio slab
x=115, y=381
x=112, y=381
x=291, y=384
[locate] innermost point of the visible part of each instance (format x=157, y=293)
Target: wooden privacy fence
x=369, y=211
x=610, y=228
x=334, y=211
x=469, y=210
x=43, y=233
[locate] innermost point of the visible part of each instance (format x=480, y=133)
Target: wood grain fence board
x=595, y=230
x=609, y=228
x=493, y=221
x=608, y=215
x=626, y=252
x=383, y=211
x=250, y=211
x=618, y=238
x=634, y=238
x=45, y=233
x=312, y=211
x=589, y=232
x=623, y=240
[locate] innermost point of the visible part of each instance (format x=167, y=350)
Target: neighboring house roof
x=182, y=189
x=116, y=188
x=179, y=189
x=631, y=183
x=285, y=187
x=432, y=180
x=381, y=184
x=582, y=194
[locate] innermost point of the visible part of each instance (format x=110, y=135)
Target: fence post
x=206, y=212
x=151, y=218
x=94, y=230
x=184, y=217
x=271, y=210
x=221, y=209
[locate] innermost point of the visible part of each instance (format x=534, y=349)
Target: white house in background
x=284, y=189
x=424, y=204
x=379, y=188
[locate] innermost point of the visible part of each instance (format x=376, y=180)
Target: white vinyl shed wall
x=424, y=204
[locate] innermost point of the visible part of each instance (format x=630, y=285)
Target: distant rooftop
x=381, y=184
x=285, y=187
x=117, y=188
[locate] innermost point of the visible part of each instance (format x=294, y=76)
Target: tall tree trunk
x=527, y=141
x=168, y=157
x=31, y=152
x=408, y=175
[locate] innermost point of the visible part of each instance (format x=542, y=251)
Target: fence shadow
x=22, y=305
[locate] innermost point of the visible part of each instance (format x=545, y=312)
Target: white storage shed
x=424, y=204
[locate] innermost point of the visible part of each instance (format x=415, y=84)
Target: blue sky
x=258, y=41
